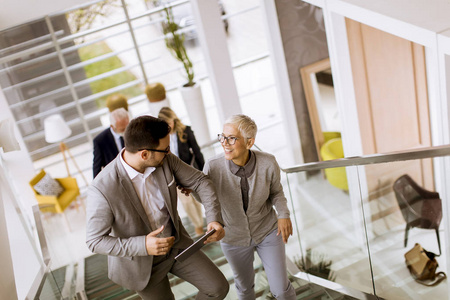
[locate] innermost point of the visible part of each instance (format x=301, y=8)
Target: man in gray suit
x=132, y=216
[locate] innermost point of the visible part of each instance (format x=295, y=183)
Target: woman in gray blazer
x=248, y=185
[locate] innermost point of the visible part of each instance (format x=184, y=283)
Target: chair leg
x=406, y=234
x=438, y=239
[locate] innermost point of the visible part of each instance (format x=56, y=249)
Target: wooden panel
x=391, y=94
x=390, y=75
x=361, y=86
x=424, y=113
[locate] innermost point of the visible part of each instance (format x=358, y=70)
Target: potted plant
x=190, y=91
x=175, y=44
x=316, y=264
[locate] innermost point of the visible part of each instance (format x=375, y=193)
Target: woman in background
x=184, y=145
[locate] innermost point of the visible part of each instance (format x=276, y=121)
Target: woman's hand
x=218, y=235
x=184, y=190
x=285, y=228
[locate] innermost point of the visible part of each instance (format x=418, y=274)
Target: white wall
x=7, y=281
x=15, y=12
x=17, y=170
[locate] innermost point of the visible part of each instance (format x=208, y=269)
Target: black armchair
x=420, y=208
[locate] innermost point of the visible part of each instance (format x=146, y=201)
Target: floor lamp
x=56, y=130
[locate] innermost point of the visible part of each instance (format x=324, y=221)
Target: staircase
x=90, y=281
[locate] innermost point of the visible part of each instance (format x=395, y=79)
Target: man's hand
x=218, y=235
x=183, y=190
x=285, y=228
x=156, y=245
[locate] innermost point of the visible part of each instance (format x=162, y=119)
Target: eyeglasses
x=157, y=150
x=231, y=140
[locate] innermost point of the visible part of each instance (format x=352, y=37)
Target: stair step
x=103, y=288
x=99, y=286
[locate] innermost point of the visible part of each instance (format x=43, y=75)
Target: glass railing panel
x=328, y=239
x=66, y=235
x=51, y=289
x=397, y=194
x=50, y=282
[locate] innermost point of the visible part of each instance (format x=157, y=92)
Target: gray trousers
x=198, y=270
x=272, y=253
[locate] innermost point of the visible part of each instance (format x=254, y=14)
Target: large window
x=250, y=57
x=70, y=62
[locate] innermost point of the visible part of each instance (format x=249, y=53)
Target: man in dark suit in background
x=110, y=141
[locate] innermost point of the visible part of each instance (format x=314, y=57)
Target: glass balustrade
x=51, y=288
x=328, y=237
x=399, y=202
x=350, y=219
x=353, y=232
x=52, y=282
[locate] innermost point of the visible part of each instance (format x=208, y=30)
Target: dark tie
x=244, y=187
x=122, y=143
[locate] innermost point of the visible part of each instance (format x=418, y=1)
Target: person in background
x=248, y=186
x=110, y=141
x=116, y=101
x=157, y=97
x=132, y=217
x=184, y=145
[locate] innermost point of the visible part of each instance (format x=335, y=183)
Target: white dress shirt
x=150, y=196
x=174, y=144
x=116, y=139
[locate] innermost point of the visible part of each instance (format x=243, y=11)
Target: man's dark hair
x=144, y=133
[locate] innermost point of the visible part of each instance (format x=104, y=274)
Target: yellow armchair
x=53, y=203
x=328, y=135
x=333, y=149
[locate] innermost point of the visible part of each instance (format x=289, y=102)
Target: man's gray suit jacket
x=117, y=223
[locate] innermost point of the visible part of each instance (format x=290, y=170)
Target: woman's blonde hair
x=246, y=125
x=167, y=114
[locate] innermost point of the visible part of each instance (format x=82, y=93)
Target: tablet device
x=194, y=247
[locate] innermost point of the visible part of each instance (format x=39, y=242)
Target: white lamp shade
x=56, y=129
x=8, y=139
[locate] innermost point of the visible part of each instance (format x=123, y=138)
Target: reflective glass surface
x=403, y=205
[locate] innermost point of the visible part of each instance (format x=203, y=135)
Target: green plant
x=316, y=264
x=83, y=18
x=176, y=46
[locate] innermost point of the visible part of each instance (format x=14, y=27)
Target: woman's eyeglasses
x=231, y=140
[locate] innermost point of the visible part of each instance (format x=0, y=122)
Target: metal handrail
x=415, y=153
